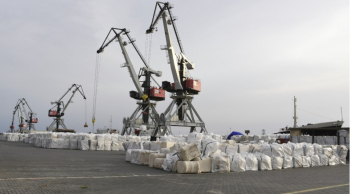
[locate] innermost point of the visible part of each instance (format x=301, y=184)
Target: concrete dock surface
x=25, y=168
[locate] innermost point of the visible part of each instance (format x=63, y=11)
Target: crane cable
x=97, y=70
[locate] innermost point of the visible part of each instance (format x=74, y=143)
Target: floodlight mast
x=147, y=93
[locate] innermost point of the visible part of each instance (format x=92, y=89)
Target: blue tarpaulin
x=233, y=133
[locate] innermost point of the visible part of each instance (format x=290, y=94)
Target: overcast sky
x=252, y=58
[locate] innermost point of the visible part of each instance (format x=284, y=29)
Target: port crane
x=145, y=92
x=184, y=86
x=60, y=108
x=23, y=116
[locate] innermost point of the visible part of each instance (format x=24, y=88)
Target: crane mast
x=183, y=87
x=23, y=116
x=146, y=108
x=57, y=111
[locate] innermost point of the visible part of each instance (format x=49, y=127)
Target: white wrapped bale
x=116, y=146
x=266, y=149
x=188, y=167
x=328, y=152
x=287, y=149
x=205, y=165
x=264, y=162
x=251, y=163
x=107, y=145
x=189, y=152
x=342, y=153
x=153, y=156
x=306, y=161
x=330, y=140
x=209, y=147
x=323, y=160
x=333, y=160
x=315, y=160
x=84, y=144
x=277, y=150
x=254, y=148
x=243, y=148
x=297, y=161
x=100, y=144
x=228, y=149
x=317, y=149
x=298, y=149
x=53, y=143
x=306, y=139
x=93, y=145
x=135, y=157
x=309, y=150
x=128, y=155
x=277, y=163
x=321, y=140
x=287, y=162
x=66, y=144
x=220, y=163
x=169, y=163
x=144, y=156
x=154, y=146
x=165, y=150
x=176, y=147
x=73, y=144
x=158, y=162
x=238, y=163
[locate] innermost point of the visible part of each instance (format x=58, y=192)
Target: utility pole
x=295, y=113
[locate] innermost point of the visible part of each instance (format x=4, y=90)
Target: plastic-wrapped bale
x=216, y=137
x=328, y=152
x=317, y=149
x=205, y=165
x=277, y=163
x=220, y=163
x=243, y=148
x=128, y=155
x=188, y=152
x=116, y=146
x=306, y=139
x=306, y=161
x=135, y=156
x=93, y=145
x=153, y=156
x=146, y=145
x=315, y=160
x=154, y=146
x=209, y=147
x=320, y=140
x=238, y=163
x=66, y=144
x=60, y=143
x=236, y=138
x=188, y=167
x=144, y=156
x=342, y=153
x=84, y=144
x=333, y=160
x=176, y=147
x=323, y=160
x=309, y=150
x=158, y=162
x=165, y=138
x=166, y=144
x=228, y=149
x=53, y=143
x=277, y=150
x=287, y=149
x=287, y=162
x=165, y=150
x=264, y=162
x=169, y=163
x=298, y=149
x=107, y=145
x=295, y=139
x=251, y=163
x=100, y=144
x=329, y=140
x=254, y=148
x=266, y=149
x=73, y=144
x=297, y=161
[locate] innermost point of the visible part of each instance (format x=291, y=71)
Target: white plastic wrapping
x=84, y=145
x=309, y=150
x=254, y=148
x=297, y=161
x=243, y=148
x=277, y=163
x=135, y=156
x=277, y=150
x=328, y=152
x=238, y=163
x=116, y=146
x=298, y=149
x=317, y=149
x=264, y=162
x=306, y=161
x=323, y=160
x=209, y=147
x=220, y=163
x=252, y=163
x=320, y=140
x=287, y=162
x=266, y=149
x=315, y=160
x=100, y=144
x=333, y=160
x=170, y=161
x=93, y=145
x=229, y=149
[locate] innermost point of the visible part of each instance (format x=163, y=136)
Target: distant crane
x=23, y=116
x=60, y=107
x=184, y=86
